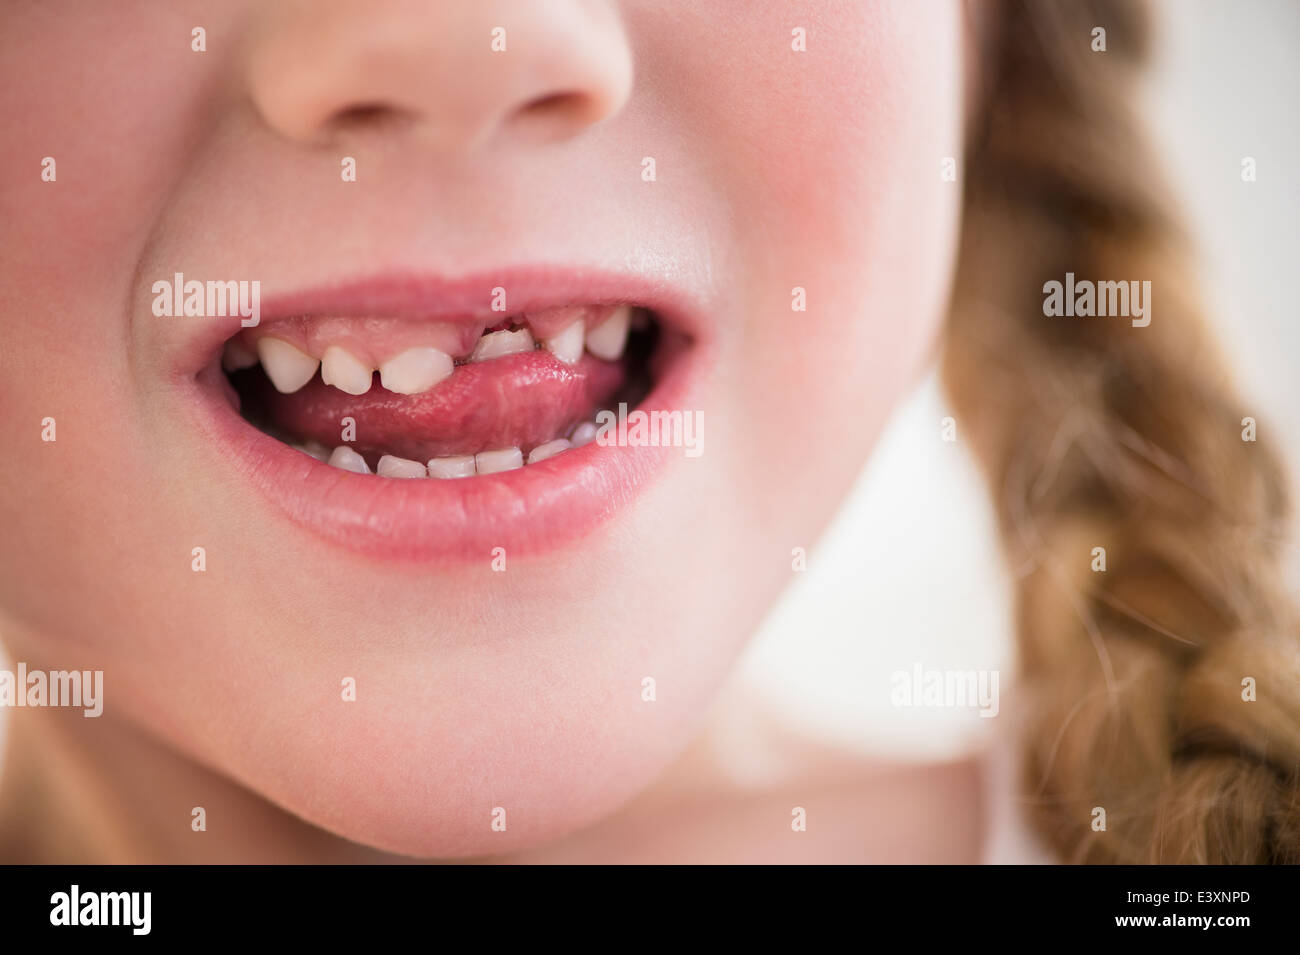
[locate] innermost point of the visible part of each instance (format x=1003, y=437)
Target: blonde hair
x=1097, y=433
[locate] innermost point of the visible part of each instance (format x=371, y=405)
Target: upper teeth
x=607, y=339
x=338, y=367
x=287, y=367
x=415, y=370
x=418, y=369
x=500, y=344
x=567, y=345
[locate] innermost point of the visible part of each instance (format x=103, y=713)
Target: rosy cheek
x=839, y=219
x=111, y=98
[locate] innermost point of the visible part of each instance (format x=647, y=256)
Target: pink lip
x=528, y=511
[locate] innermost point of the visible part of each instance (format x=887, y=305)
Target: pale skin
x=776, y=168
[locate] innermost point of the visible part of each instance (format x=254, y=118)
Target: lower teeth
x=467, y=465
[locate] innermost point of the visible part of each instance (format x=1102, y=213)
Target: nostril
x=367, y=116
x=557, y=114
x=553, y=102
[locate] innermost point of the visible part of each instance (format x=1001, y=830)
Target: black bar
x=330, y=904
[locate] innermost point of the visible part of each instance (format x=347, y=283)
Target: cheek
x=842, y=226
x=103, y=93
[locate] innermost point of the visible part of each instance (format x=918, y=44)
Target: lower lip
x=531, y=510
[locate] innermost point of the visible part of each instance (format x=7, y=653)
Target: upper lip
x=422, y=296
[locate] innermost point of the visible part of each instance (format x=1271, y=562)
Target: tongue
x=520, y=401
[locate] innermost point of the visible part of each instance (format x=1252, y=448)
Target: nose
x=464, y=73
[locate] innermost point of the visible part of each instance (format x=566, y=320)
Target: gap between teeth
x=416, y=370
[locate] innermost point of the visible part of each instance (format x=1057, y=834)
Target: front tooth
x=454, y=467
x=499, y=344
x=415, y=370
x=348, y=460
x=340, y=368
x=567, y=346
x=315, y=449
x=236, y=356
x=287, y=367
x=490, y=462
x=392, y=466
x=607, y=339
x=548, y=450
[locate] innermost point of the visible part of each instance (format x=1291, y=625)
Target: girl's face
x=761, y=179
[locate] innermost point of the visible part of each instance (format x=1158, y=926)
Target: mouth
x=413, y=419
